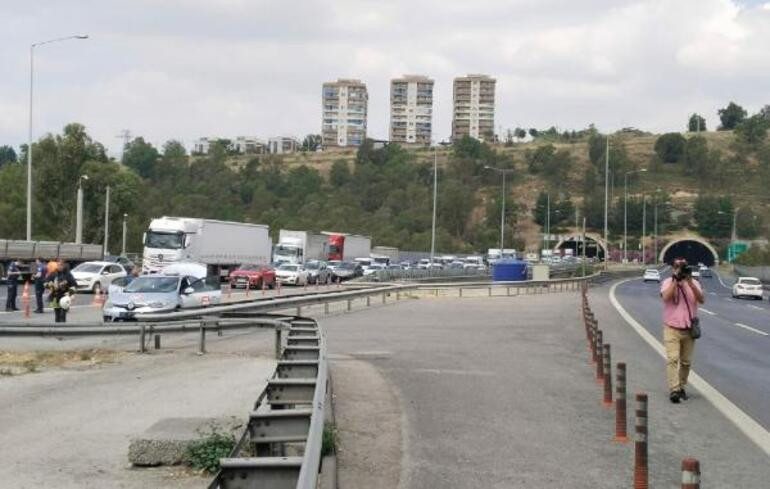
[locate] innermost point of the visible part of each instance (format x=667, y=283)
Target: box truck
x=347, y=247
x=220, y=245
x=385, y=255
x=299, y=247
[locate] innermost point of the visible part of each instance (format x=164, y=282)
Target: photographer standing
x=681, y=296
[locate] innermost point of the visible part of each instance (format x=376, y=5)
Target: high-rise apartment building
x=411, y=109
x=473, y=112
x=344, y=113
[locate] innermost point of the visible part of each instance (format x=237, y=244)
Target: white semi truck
x=220, y=245
x=299, y=247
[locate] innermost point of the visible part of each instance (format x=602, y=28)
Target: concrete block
x=166, y=442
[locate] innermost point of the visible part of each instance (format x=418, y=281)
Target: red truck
x=347, y=247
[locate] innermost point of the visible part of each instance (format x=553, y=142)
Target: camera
x=684, y=272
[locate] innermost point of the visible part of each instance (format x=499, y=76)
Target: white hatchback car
x=291, y=274
x=96, y=276
x=748, y=287
x=651, y=275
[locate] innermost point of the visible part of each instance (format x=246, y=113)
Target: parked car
x=160, y=293
x=396, y=267
x=253, y=276
x=123, y=261
x=291, y=274
x=704, y=271
x=96, y=276
x=748, y=287
x=348, y=270
x=651, y=275
x=318, y=272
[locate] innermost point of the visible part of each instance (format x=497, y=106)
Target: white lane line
x=754, y=330
x=708, y=312
x=728, y=299
x=712, y=293
x=753, y=430
x=719, y=276
x=756, y=307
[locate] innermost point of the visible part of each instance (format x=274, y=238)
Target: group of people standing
x=53, y=275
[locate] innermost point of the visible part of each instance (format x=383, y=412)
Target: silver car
x=160, y=293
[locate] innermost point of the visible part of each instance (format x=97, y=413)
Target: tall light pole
x=123, y=248
x=655, y=240
x=584, y=246
x=29, y=134
x=644, y=227
x=606, y=196
x=106, y=220
x=435, y=187
x=625, y=211
x=79, y=211
x=503, y=171
x=547, y=223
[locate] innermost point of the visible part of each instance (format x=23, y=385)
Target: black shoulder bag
x=695, y=331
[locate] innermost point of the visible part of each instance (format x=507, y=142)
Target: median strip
x=754, y=330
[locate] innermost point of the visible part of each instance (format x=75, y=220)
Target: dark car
x=253, y=276
x=318, y=272
x=348, y=270
x=121, y=260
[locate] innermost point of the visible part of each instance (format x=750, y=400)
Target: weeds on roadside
x=204, y=454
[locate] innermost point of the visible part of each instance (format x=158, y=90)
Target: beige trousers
x=679, y=350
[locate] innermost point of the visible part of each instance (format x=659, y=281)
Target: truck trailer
x=347, y=247
x=220, y=245
x=28, y=251
x=299, y=247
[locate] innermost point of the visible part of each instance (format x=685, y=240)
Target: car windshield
x=286, y=250
x=88, y=268
x=651, y=272
x=156, y=284
x=167, y=241
x=288, y=267
x=249, y=268
x=750, y=281
x=312, y=265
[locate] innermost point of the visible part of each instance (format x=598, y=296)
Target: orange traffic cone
x=98, y=297
x=25, y=299
x=264, y=286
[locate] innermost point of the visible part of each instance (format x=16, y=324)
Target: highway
x=733, y=354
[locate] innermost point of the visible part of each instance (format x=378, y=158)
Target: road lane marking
x=712, y=293
x=741, y=325
x=756, y=307
x=753, y=430
x=708, y=312
x=719, y=276
x=728, y=299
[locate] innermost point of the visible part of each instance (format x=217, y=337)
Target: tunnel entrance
x=594, y=248
x=693, y=250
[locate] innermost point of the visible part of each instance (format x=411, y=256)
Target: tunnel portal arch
x=694, y=250
x=595, y=246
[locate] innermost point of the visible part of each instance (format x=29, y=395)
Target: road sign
x=735, y=249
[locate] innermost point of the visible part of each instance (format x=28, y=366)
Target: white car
x=373, y=268
x=96, y=276
x=748, y=287
x=651, y=275
x=291, y=274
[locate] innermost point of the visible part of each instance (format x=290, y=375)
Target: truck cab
x=167, y=241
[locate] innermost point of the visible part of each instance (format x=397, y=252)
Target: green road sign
x=735, y=249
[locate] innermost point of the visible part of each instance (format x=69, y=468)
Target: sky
x=181, y=69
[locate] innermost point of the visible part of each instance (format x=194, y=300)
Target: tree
x=748, y=223
x=765, y=112
x=7, y=155
x=312, y=142
x=696, y=123
x=533, y=132
x=713, y=216
x=731, y=116
x=521, y=133
x=597, y=145
x=753, y=130
x=141, y=157
x=339, y=175
x=538, y=160
x=696, y=154
x=670, y=147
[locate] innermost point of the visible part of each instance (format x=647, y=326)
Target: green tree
x=597, y=145
x=753, y=131
x=7, y=155
x=670, y=147
x=521, y=133
x=696, y=123
x=141, y=157
x=339, y=175
x=312, y=142
x=540, y=158
x=748, y=223
x=713, y=216
x=731, y=116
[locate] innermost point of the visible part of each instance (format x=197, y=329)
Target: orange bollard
x=621, y=434
x=25, y=299
x=690, y=474
x=97, y=297
x=640, y=445
x=263, y=286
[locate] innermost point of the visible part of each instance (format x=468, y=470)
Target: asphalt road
x=733, y=354
x=500, y=392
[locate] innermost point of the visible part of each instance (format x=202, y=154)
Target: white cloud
x=185, y=68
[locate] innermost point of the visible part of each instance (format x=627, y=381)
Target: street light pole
x=502, y=210
x=435, y=186
x=123, y=248
x=584, y=246
x=644, y=227
x=606, y=196
x=655, y=235
x=106, y=220
x=29, y=133
x=79, y=211
x=625, y=211
x=547, y=237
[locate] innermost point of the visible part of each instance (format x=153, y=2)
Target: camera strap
x=686, y=303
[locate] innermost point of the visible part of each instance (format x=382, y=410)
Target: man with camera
x=681, y=296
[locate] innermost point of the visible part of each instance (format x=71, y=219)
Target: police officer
x=14, y=274
x=39, y=277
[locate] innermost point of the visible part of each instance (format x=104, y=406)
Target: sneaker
x=674, y=397
x=683, y=395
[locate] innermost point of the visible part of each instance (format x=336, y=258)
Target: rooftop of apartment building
x=412, y=78
x=475, y=76
x=346, y=82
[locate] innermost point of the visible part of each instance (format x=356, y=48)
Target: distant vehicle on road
x=347, y=247
x=291, y=274
x=374, y=268
x=299, y=247
x=748, y=287
x=385, y=254
x=704, y=271
x=96, y=276
x=651, y=275
x=161, y=293
x=253, y=276
x=220, y=245
x=123, y=261
x=348, y=270
x=318, y=272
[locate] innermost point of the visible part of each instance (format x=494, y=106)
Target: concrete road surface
x=734, y=352
x=499, y=392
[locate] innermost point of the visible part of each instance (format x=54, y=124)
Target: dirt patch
x=16, y=363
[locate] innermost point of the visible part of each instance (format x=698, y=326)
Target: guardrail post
x=299, y=310
x=350, y=304
x=690, y=473
x=157, y=342
x=621, y=434
x=368, y=301
x=398, y=295
x=640, y=446
x=599, y=358
x=383, y=298
x=202, y=339
x=489, y=291
x=507, y=290
x=142, y=335
x=278, y=345
x=326, y=308
x=461, y=292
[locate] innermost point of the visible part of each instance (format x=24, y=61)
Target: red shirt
x=675, y=312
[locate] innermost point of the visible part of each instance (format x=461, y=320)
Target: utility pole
x=123, y=248
x=125, y=135
x=606, y=197
x=435, y=186
x=547, y=234
x=644, y=226
x=625, y=212
x=79, y=211
x=655, y=238
x=584, y=246
x=106, y=220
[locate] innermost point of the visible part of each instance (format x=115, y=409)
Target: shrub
x=204, y=454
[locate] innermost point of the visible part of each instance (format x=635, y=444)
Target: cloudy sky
x=184, y=68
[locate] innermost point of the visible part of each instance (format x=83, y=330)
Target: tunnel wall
x=694, y=250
